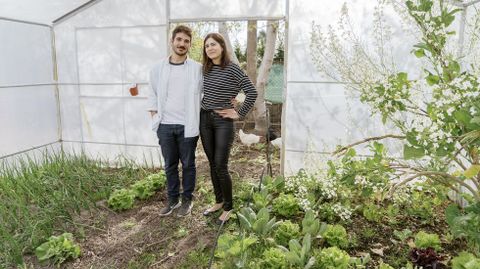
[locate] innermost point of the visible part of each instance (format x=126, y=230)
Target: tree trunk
x=252, y=51
x=223, y=29
x=259, y=110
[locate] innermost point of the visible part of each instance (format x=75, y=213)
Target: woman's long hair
x=207, y=62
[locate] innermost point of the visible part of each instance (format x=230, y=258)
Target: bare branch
x=433, y=175
x=375, y=138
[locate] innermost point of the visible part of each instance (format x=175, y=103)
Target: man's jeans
x=176, y=147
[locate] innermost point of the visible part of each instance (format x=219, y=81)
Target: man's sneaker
x=168, y=209
x=185, y=208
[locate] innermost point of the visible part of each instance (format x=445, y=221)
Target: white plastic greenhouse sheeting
x=101, y=52
x=28, y=103
x=39, y=11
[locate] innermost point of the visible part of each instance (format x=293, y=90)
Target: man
x=174, y=104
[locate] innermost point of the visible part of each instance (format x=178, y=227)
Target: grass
x=41, y=198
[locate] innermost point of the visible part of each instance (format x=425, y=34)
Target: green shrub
x=58, y=248
x=425, y=240
x=286, y=205
x=336, y=235
x=286, y=231
x=121, y=199
x=331, y=258
x=465, y=260
x=273, y=258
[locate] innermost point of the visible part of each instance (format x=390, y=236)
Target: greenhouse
x=360, y=149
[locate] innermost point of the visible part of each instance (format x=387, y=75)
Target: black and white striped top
x=221, y=85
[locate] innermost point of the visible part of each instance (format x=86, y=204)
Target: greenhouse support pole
x=283, y=130
x=461, y=32
x=57, y=91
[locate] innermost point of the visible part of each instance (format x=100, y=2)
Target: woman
x=223, y=80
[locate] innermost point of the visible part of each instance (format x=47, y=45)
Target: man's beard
x=179, y=53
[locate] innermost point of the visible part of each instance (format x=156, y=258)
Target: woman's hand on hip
x=228, y=113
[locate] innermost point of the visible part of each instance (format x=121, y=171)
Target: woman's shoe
x=224, y=217
x=212, y=209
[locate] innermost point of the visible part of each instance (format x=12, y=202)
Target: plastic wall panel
x=145, y=156
x=43, y=11
x=28, y=118
x=325, y=13
x=70, y=109
x=25, y=53
x=99, y=55
x=102, y=120
x=36, y=155
x=117, y=43
x=108, y=13
x=212, y=9
x=141, y=49
x=324, y=116
x=321, y=114
x=136, y=122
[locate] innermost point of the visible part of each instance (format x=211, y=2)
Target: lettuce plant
x=286, y=231
x=425, y=258
x=465, y=260
x=385, y=266
x=331, y=258
x=273, y=258
x=143, y=189
x=372, y=213
x=286, y=205
x=58, y=248
x=336, y=235
x=121, y=199
x=159, y=180
x=425, y=240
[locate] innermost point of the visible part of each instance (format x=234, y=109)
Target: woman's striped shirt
x=221, y=85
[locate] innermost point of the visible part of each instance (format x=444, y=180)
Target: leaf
x=451, y=213
x=463, y=117
x=419, y=53
x=475, y=119
x=472, y=171
x=378, y=251
x=432, y=79
x=244, y=222
x=412, y=153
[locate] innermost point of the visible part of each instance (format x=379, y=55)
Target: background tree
x=259, y=110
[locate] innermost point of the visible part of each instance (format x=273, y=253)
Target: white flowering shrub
x=437, y=116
